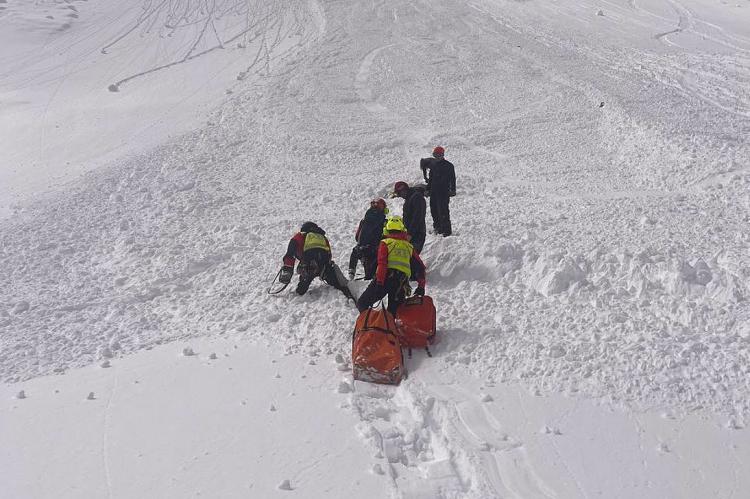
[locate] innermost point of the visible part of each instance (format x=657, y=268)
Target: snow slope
x=172, y=63
x=599, y=272
x=162, y=424
x=236, y=419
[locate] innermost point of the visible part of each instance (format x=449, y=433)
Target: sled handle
x=367, y=317
x=272, y=283
x=420, y=297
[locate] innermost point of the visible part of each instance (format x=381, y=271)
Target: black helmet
x=308, y=227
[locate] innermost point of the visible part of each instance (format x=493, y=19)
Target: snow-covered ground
x=592, y=306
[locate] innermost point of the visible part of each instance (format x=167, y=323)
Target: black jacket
x=370, y=229
x=415, y=209
x=439, y=174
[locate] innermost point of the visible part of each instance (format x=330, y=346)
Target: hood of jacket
x=374, y=216
x=312, y=227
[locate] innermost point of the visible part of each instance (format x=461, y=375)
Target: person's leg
x=353, y=258
x=446, y=213
x=309, y=269
x=418, y=242
x=372, y=294
x=395, y=289
x=441, y=205
x=370, y=263
x=333, y=276
x=435, y=212
x=305, y=278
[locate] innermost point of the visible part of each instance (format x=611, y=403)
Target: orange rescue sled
x=376, y=349
x=417, y=322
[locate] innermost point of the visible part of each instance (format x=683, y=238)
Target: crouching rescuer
x=311, y=247
x=396, y=258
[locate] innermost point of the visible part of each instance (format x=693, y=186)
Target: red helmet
x=378, y=203
x=438, y=152
x=400, y=186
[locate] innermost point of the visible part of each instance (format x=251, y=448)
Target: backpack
x=417, y=321
x=370, y=229
x=376, y=349
x=423, y=188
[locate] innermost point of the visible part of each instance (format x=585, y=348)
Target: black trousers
x=368, y=255
x=319, y=264
x=417, y=240
x=440, y=211
x=394, y=286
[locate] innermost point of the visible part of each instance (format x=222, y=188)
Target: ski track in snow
x=601, y=250
x=105, y=438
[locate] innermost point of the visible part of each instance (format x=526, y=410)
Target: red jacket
x=296, y=248
x=416, y=262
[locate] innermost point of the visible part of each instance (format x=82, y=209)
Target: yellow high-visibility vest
x=399, y=255
x=315, y=241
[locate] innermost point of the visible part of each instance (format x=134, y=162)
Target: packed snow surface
x=592, y=304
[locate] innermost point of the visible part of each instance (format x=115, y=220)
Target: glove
x=285, y=276
x=452, y=193
x=419, y=291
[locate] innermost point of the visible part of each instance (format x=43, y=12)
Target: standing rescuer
x=415, y=211
x=440, y=176
x=311, y=247
x=396, y=258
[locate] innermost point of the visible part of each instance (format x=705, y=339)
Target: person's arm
x=328, y=243
x=452, y=178
x=421, y=209
x=291, y=252
x=382, y=272
x=421, y=270
x=424, y=164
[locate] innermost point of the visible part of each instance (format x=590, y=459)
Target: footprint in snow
x=735, y=424
x=20, y=307
x=285, y=485
x=547, y=430
x=274, y=318
x=21, y=395
x=187, y=352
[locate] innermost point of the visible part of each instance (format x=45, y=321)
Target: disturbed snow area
x=600, y=249
x=170, y=63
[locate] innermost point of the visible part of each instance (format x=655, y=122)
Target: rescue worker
x=311, y=247
x=396, y=258
x=440, y=176
x=368, y=236
x=415, y=211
